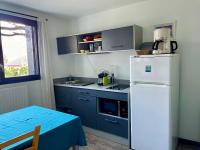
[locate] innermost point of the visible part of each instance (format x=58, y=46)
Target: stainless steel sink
x=78, y=83
x=119, y=87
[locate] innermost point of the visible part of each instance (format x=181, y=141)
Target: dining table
x=59, y=131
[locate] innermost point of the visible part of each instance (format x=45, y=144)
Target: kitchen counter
x=95, y=87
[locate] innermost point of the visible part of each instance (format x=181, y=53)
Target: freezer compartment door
x=150, y=69
x=150, y=124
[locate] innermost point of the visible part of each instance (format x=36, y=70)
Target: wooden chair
x=35, y=134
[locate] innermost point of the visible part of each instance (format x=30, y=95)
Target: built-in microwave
x=108, y=106
x=113, y=107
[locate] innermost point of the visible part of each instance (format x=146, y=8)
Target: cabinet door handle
x=69, y=110
x=112, y=121
x=117, y=46
x=69, y=50
x=64, y=107
x=84, y=93
x=85, y=100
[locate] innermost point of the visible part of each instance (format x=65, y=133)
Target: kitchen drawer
x=113, y=125
x=86, y=92
x=113, y=95
x=64, y=109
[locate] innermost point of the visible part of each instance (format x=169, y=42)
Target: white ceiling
x=72, y=7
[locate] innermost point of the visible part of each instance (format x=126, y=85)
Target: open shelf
x=90, y=42
x=94, y=42
x=93, y=53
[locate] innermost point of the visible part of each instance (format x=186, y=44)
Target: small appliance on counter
x=163, y=43
x=103, y=78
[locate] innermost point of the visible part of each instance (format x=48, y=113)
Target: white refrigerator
x=154, y=98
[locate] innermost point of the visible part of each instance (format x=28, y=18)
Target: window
x=19, y=59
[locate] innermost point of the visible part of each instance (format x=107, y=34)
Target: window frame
x=36, y=62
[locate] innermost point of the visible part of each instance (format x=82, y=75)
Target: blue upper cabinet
x=124, y=38
x=67, y=45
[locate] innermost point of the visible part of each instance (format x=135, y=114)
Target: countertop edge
x=125, y=91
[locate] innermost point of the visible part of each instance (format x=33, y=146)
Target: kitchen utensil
x=98, y=39
x=99, y=48
x=82, y=51
x=105, y=80
x=97, y=36
x=89, y=38
x=87, y=51
x=100, y=79
x=91, y=48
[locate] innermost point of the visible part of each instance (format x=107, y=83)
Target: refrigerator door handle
x=149, y=83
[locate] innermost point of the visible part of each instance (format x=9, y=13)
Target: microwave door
x=108, y=106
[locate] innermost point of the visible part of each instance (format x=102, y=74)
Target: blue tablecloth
x=59, y=131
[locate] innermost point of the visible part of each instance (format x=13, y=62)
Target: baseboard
x=188, y=142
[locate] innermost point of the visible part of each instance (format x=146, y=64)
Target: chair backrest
x=35, y=134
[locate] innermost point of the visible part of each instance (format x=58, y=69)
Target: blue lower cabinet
x=85, y=108
x=86, y=92
x=83, y=103
x=64, y=98
x=113, y=125
x=64, y=109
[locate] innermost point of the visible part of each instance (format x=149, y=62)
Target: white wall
x=57, y=26
x=147, y=14
x=91, y=65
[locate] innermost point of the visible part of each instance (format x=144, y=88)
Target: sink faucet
x=112, y=78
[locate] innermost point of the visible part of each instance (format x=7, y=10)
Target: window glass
x=18, y=48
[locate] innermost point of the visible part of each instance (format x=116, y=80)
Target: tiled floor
x=98, y=143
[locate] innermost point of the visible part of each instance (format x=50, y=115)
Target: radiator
x=13, y=98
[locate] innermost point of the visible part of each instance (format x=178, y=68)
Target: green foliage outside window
x=12, y=71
